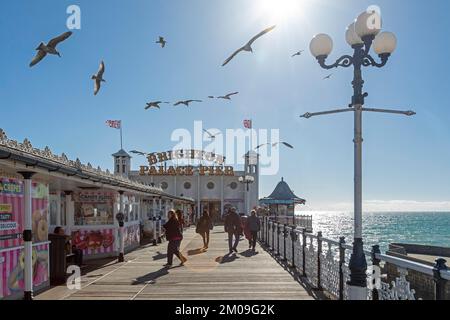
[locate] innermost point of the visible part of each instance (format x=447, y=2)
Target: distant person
x=204, y=225
x=174, y=236
x=247, y=232
x=233, y=227
x=69, y=248
x=254, y=226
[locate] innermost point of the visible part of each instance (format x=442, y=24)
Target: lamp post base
x=358, y=267
x=27, y=296
x=357, y=293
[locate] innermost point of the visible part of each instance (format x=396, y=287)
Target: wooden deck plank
x=210, y=275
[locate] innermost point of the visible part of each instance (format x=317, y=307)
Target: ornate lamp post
x=361, y=35
x=247, y=180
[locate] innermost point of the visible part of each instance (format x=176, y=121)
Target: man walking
x=233, y=227
x=254, y=226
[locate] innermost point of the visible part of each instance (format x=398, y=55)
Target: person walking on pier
x=254, y=225
x=233, y=227
x=174, y=236
x=204, y=225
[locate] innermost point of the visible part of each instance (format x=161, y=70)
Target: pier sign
x=158, y=157
x=186, y=171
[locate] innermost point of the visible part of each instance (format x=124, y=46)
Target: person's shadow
x=151, y=277
x=227, y=258
x=194, y=252
x=159, y=256
x=249, y=253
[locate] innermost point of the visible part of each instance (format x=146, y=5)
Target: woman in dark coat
x=174, y=237
x=203, y=227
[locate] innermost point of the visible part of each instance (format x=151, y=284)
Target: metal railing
x=324, y=265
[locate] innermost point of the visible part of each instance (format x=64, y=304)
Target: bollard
x=319, y=252
x=440, y=282
x=341, y=267
x=304, y=251
x=375, y=262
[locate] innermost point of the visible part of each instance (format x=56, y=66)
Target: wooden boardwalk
x=210, y=275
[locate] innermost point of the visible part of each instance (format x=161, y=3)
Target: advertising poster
x=132, y=236
x=11, y=212
x=40, y=205
x=12, y=265
x=94, y=241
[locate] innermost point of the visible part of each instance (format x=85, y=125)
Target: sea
x=382, y=228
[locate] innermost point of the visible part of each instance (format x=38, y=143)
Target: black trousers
x=205, y=236
x=253, y=238
x=173, y=248
x=230, y=240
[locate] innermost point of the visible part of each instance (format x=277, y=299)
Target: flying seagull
x=162, y=42
x=299, y=53
x=212, y=136
x=328, y=76
x=228, y=96
x=248, y=46
x=275, y=144
x=139, y=153
x=186, y=102
x=49, y=48
x=154, y=104
x=98, y=78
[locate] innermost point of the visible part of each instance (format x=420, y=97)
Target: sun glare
x=281, y=10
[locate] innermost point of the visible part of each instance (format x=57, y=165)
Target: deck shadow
x=159, y=256
x=226, y=258
x=151, y=277
x=249, y=253
x=194, y=252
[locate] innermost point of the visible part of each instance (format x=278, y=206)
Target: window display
x=93, y=209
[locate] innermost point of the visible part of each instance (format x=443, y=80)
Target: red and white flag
x=117, y=124
x=248, y=124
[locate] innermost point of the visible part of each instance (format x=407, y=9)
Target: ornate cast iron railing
x=324, y=264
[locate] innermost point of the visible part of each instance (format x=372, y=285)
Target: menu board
x=12, y=212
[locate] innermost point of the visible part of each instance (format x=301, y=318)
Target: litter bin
x=58, y=265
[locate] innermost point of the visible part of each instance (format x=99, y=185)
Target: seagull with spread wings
x=275, y=144
x=139, y=153
x=186, y=102
x=328, y=76
x=155, y=104
x=162, y=42
x=299, y=53
x=49, y=48
x=248, y=46
x=228, y=96
x=98, y=78
x=212, y=136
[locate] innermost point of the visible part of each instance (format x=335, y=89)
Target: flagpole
x=121, y=141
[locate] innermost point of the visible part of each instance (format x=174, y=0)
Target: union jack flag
x=248, y=124
x=117, y=124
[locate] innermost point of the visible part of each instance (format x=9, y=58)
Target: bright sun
x=280, y=10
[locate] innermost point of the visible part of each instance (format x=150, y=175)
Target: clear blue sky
x=52, y=104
